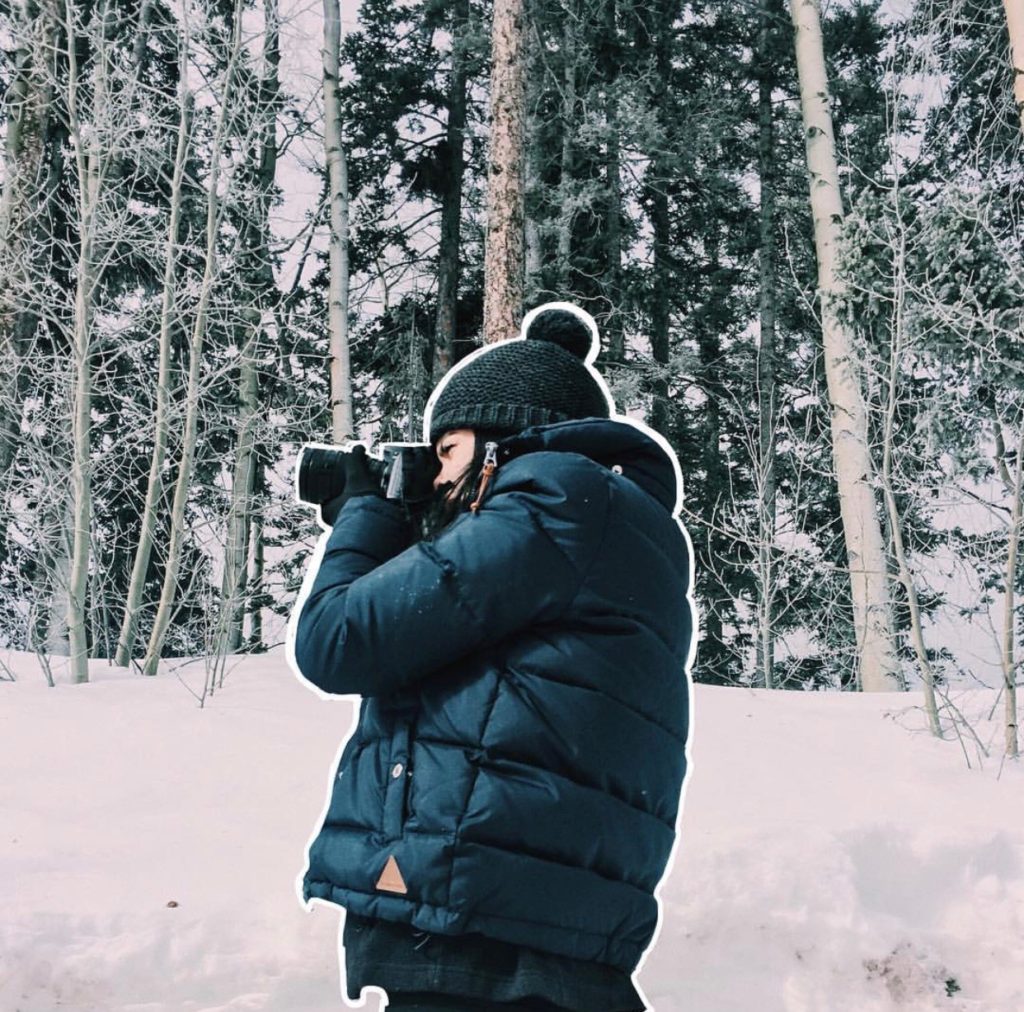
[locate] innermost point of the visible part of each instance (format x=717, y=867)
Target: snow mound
x=832, y=858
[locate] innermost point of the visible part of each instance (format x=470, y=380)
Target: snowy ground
x=833, y=858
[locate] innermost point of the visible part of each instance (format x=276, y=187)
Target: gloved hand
x=359, y=480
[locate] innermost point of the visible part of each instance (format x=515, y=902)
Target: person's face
x=455, y=451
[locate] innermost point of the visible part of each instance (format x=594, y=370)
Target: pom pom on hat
x=563, y=327
x=539, y=379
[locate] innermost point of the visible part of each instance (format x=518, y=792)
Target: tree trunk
x=566, y=179
x=1015, y=26
x=658, y=28
x=236, y=550
x=177, y=532
x=610, y=319
x=255, y=642
x=533, y=186
x=23, y=144
x=765, y=475
x=343, y=423
x=416, y=379
x=27, y=110
x=451, y=198
x=57, y=637
x=504, y=254
x=895, y=521
x=878, y=662
x=140, y=53
x=1009, y=664
x=707, y=324
x=96, y=150
x=55, y=565
x=613, y=233
x=81, y=465
x=256, y=241
x=660, y=306
x=92, y=156
x=29, y=101
x=155, y=485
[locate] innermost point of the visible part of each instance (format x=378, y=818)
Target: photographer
x=506, y=807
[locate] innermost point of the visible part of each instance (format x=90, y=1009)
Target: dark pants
x=416, y=1002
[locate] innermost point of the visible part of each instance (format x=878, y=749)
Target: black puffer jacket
x=517, y=766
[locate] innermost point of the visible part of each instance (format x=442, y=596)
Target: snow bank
x=832, y=857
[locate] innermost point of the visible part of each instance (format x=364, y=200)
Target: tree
x=892, y=381
x=415, y=133
x=879, y=670
x=504, y=249
x=767, y=76
x=1007, y=654
x=25, y=204
x=92, y=207
x=257, y=297
x=170, y=588
x=451, y=195
x=337, y=175
x=933, y=281
x=97, y=132
x=155, y=482
x=1015, y=26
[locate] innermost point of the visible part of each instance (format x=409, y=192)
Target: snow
x=832, y=856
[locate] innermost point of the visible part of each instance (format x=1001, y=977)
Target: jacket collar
x=609, y=442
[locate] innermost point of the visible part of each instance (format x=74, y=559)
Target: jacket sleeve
x=372, y=627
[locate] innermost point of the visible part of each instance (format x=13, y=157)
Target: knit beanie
x=540, y=378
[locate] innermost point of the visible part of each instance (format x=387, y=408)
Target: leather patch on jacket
x=391, y=880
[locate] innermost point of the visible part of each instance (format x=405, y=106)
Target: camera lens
x=321, y=474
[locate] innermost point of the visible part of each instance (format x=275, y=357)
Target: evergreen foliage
x=665, y=175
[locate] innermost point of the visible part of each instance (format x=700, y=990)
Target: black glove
x=359, y=480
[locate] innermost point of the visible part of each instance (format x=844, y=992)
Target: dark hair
x=442, y=511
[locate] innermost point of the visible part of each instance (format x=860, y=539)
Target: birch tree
x=1015, y=26
x=155, y=484
x=766, y=394
x=101, y=91
x=169, y=591
x=91, y=139
x=934, y=286
x=342, y=422
x=906, y=574
x=258, y=282
x=504, y=253
x=878, y=663
x=1007, y=658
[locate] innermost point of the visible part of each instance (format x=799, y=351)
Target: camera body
x=405, y=471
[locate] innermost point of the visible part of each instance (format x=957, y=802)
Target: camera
x=405, y=471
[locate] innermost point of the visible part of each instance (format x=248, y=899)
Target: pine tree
x=504, y=252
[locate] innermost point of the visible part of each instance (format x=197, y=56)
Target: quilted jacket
x=520, y=751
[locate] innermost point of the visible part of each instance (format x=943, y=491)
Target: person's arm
x=372, y=628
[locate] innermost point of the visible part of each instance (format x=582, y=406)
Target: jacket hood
x=610, y=443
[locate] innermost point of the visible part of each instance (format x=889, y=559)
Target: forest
x=232, y=227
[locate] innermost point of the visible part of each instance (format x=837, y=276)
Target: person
x=506, y=806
